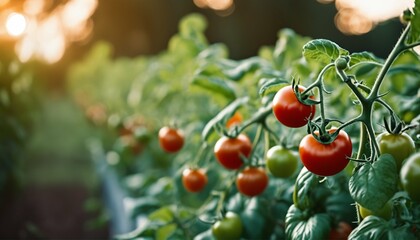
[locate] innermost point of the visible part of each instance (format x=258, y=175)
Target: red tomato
x=289, y=110
x=228, y=151
x=341, y=232
x=171, y=139
x=252, y=181
x=194, y=180
x=234, y=120
x=325, y=159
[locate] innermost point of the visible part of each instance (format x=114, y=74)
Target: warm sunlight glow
x=47, y=35
x=33, y=7
x=15, y=24
x=360, y=16
x=219, y=4
x=222, y=7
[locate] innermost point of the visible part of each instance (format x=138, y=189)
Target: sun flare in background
x=43, y=29
x=355, y=17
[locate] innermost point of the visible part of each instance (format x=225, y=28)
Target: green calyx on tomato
x=410, y=176
x=325, y=159
x=252, y=181
x=194, y=180
x=289, y=110
x=171, y=140
x=229, y=227
x=400, y=146
x=281, y=162
x=385, y=212
x=229, y=151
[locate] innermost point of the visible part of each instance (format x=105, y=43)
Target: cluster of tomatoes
x=321, y=158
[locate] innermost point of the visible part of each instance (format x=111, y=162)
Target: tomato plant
x=325, y=159
x=252, y=181
x=229, y=227
x=289, y=110
x=281, y=162
x=171, y=140
x=229, y=151
x=194, y=180
x=312, y=200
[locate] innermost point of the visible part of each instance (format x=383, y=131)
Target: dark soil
x=51, y=212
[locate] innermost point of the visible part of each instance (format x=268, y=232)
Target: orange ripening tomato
x=236, y=119
x=170, y=139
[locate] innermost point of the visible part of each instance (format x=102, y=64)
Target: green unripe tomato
x=230, y=227
x=281, y=162
x=400, y=146
x=410, y=176
x=341, y=63
x=385, y=212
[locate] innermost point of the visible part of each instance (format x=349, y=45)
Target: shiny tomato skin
x=400, y=146
x=289, y=110
x=228, y=151
x=194, y=180
x=281, y=162
x=325, y=159
x=171, y=140
x=236, y=119
x=230, y=227
x=410, y=176
x=252, y=181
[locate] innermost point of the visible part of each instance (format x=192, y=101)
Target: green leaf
x=227, y=112
x=305, y=183
x=323, y=51
x=302, y=227
x=243, y=67
x=364, y=57
x=216, y=85
x=272, y=85
x=163, y=214
x=376, y=228
x=372, y=185
x=414, y=34
x=166, y=231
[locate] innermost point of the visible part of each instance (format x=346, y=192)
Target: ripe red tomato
x=252, y=181
x=341, y=232
x=325, y=159
x=289, y=110
x=170, y=139
x=228, y=151
x=194, y=180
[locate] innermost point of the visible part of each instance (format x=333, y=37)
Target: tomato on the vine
x=252, y=181
x=229, y=227
x=234, y=120
x=400, y=146
x=171, y=139
x=410, y=176
x=228, y=151
x=341, y=232
x=289, y=110
x=325, y=159
x=385, y=212
x=194, y=180
x=281, y=162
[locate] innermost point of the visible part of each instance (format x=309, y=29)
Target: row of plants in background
x=16, y=108
x=303, y=141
